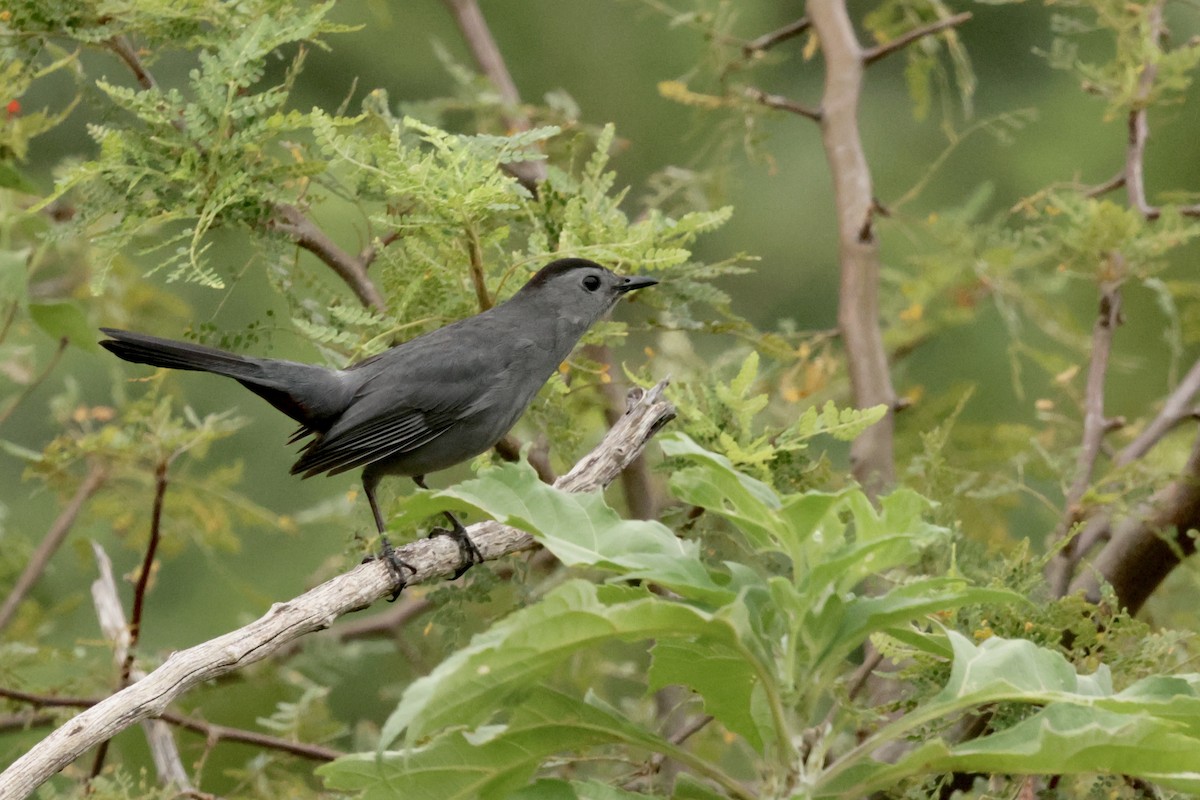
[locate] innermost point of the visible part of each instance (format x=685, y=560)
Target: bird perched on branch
x=424, y=405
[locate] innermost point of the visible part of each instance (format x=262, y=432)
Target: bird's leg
x=388, y=555
x=456, y=531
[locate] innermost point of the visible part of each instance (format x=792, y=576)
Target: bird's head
x=579, y=289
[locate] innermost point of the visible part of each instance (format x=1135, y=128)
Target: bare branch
x=1177, y=408
x=1095, y=425
x=126, y=52
x=163, y=750
x=884, y=50
x=871, y=454
x=1139, y=127
x=316, y=609
x=54, y=538
x=143, y=580
x=1146, y=545
x=769, y=40
x=782, y=103
x=1110, y=185
x=483, y=47
x=290, y=220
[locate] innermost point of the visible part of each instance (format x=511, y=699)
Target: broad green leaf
x=716, y=485
x=521, y=650
x=1001, y=669
x=496, y=760
x=1151, y=729
x=578, y=527
x=863, y=616
x=725, y=680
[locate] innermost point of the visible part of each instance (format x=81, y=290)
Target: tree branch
x=871, y=454
x=483, y=47
x=210, y=730
x=1095, y=426
x=434, y=558
x=105, y=597
x=871, y=55
x=1139, y=127
x=54, y=538
x=782, y=103
x=291, y=221
x=769, y=40
x=1146, y=545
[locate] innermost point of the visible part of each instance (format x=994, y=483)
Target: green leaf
x=715, y=484
x=1150, y=730
x=724, y=679
x=578, y=527
x=494, y=760
x=521, y=650
x=65, y=320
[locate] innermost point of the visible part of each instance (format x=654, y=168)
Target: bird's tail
x=309, y=394
x=141, y=348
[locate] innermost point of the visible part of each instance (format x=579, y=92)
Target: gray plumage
x=426, y=404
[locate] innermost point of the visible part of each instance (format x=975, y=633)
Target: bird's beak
x=635, y=282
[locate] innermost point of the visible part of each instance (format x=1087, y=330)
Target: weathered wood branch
x=316, y=609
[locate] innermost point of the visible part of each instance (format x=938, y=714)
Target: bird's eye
x=591, y=283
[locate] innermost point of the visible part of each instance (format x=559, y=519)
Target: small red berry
x=13, y=107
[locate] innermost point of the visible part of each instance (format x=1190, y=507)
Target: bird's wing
x=398, y=431
x=411, y=396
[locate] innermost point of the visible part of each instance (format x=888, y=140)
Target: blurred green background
x=609, y=57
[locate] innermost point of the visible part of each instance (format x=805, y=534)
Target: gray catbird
x=423, y=405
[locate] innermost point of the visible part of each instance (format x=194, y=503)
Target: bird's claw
x=395, y=565
x=470, y=553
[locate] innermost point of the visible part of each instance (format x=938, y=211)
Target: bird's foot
x=396, y=565
x=470, y=553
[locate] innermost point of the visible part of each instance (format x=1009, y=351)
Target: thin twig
x=1095, y=426
x=368, y=254
x=483, y=47
x=210, y=730
x=1179, y=407
x=1110, y=185
x=143, y=581
x=769, y=40
x=1139, y=126
x=782, y=103
x=35, y=383
x=475, y=259
x=54, y=537
x=873, y=54
x=164, y=752
x=124, y=49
